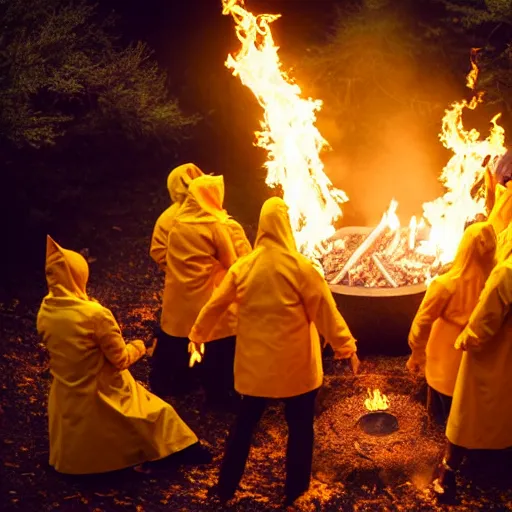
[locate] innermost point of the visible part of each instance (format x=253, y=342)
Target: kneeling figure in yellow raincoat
x=100, y=419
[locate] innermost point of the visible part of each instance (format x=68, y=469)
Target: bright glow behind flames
x=289, y=135
x=288, y=131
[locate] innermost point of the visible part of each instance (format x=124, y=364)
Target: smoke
x=384, y=91
x=404, y=165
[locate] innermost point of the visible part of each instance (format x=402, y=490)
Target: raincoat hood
x=67, y=272
x=274, y=225
x=205, y=194
x=179, y=180
x=477, y=248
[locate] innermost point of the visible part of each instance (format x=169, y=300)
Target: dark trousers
x=171, y=375
x=438, y=406
x=299, y=413
x=217, y=367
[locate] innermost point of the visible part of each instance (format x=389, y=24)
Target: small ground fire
x=377, y=422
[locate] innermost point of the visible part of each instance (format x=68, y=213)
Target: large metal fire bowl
x=379, y=318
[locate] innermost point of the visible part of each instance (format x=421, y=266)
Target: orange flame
x=473, y=74
x=448, y=215
x=288, y=133
x=376, y=401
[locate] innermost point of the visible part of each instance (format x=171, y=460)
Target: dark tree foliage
x=486, y=24
x=63, y=72
x=378, y=61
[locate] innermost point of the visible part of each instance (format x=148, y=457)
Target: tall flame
x=461, y=203
x=288, y=131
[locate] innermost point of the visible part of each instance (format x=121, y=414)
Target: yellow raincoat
x=178, y=182
x=100, y=419
x=280, y=298
x=446, y=308
x=501, y=213
x=201, y=250
x=481, y=414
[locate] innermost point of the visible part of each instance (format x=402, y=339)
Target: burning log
x=389, y=220
x=384, y=272
x=361, y=250
x=405, y=267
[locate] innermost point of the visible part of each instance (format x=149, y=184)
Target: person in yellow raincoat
x=100, y=419
x=280, y=298
x=178, y=182
x=481, y=416
x=443, y=313
x=201, y=248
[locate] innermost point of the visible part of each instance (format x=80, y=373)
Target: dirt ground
x=352, y=471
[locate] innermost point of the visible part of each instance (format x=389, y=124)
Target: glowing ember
x=376, y=401
x=288, y=130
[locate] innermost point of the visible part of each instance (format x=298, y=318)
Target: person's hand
x=150, y=343
x=414, y=366
x=140, y=346
x=461, y=343
x=196, y=352
x=355, y=363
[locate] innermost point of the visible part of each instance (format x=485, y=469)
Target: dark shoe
x=197, y=454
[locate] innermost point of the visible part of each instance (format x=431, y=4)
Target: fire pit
x=379, y=318
x=377, y=422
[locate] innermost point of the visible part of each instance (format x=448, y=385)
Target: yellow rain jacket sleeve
x=100, y=419
x=201, y=250
x=120, y=354
x=446, y=308
x=279, y=297
x=431, y=307
x=481, y=414
x=239, y=238
x=178, y=182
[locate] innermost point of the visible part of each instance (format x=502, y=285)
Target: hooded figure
x=200, y=251
x=444, y=312
x=178, y=182
x=280, y=298
x=481, y=416
x=100, y=419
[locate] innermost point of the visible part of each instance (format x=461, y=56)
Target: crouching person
x=280, y=298
x=100, y=419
